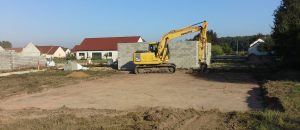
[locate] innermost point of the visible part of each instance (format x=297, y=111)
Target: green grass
x=288, y=95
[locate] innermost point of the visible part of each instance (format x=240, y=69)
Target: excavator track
x=162, y=68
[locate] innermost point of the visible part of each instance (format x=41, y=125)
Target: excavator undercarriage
x=161, y=68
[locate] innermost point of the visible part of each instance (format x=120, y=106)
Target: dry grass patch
x=36, y=82
x=141, y=118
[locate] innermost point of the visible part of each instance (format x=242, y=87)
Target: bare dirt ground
x=87, y=118
x=223, y=91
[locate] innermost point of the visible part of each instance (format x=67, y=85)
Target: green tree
x=212, y=37
x=242, y=41
x=286, y=32
x=5, y=44
x=216, y=50
x=70, y=56
x=268, y=45
x=257, y=36
x=226, y=48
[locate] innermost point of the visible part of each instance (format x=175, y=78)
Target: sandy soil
x=223, y=91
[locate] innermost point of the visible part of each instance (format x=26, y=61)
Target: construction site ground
x=223, y=91
x=184, y=94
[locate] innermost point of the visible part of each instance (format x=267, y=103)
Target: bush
x=70, y=56
x=216, y=50
x=267, y=46
x=226, y=48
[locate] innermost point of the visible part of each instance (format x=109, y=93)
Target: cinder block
x=184, y=54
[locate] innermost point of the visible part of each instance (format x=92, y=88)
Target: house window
x=96, y=55
x=81, y=54
x=110, y=54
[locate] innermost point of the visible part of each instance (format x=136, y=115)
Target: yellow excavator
x=156, y=59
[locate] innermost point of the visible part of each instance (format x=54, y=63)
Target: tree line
x=5, y=44
x=284, y=39
x=286, y=33
x=230, y=45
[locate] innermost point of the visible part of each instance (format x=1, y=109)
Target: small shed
x=253, y=49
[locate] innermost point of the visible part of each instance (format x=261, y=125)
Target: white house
x=103, y=48
x=253, y=49
x=30, y=50
x=67, y=50
x=52, y=51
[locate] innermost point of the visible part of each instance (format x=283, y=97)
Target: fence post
x=11, y=60
x=38, y=65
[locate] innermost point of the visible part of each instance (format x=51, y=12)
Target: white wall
x=140, y=40
x=88, y=54
x=59, y=53
x=68, y=51
x=30, y=50
x=47, y=56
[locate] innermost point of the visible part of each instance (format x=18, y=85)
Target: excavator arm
x=202, y=44
x=162, y=46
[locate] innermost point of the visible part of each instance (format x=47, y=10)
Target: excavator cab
x=153, y=46
x=147, y=57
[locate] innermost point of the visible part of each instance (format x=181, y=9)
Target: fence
x=10, y=60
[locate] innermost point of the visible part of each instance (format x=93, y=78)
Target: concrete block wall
x=28, y=61
x=182, y=54
x=5, y=60
x=208, y=54
x=10, y=60
x=125, y=54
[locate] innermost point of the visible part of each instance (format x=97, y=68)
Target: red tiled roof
x=49, y=50
x=74, y=49
x=15, y=49
x=105, y=44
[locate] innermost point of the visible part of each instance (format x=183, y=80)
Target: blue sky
x=68, y=22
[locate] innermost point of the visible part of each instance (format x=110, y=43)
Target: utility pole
x=237, y=47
